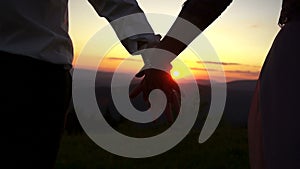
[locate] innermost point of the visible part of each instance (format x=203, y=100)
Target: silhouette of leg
x=33, y=111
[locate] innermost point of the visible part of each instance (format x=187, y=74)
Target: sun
x=175, y=74
x=180, y=71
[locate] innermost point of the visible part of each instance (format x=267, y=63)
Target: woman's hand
x=158, y=79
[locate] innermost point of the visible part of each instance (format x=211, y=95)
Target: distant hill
x=239, y=96
x=242, y=85
x=238, y=101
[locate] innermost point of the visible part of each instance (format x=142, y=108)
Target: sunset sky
x=241, y=36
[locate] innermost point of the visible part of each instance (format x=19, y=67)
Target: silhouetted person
x=36, y=56
x=273, y=124
x=274, y=140
x=200, y=13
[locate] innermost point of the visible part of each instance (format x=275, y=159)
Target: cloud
x=253, y=73
x=203, y=69
x=122, y=59
x=218, y=63
x=225, y=63
x=254, y=26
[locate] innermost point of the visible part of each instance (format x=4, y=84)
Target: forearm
x=119, y=14
x=129, y=23
x=195, y=17
x=114, y=9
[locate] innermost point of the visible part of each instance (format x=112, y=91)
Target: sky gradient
x=241, y=36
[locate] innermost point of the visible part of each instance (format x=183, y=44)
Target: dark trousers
x=35, y=96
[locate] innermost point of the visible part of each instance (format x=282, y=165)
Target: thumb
x=140, y=74
x=130, y=46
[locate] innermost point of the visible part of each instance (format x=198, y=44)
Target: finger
x=130, y=45
x=140, y=73
x=176, y=102
x=158, y=37
x=136, y=91
x=173, y=99
x=142, y=45
x=175, y=86
x=146, y=94
x=169, y=113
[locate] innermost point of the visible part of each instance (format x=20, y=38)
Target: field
x=226, y=149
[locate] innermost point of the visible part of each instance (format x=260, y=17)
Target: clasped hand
x=158, y=79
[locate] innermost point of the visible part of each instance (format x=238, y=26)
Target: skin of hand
x=158, y=79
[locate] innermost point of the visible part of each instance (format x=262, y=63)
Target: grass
x=226, y=149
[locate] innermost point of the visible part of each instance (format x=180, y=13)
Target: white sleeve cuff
x=158, y=59
x=131, y=25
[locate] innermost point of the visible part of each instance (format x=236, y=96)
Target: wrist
x=171, y=45
x=155, y=58
x=131, y=25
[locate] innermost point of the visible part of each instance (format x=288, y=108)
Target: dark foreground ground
x=226, y=149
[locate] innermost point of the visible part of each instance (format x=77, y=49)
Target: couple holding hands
x=34, y=39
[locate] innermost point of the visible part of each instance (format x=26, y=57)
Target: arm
x=195, y=17
x=135, y=33
x=200, y=13
x=114, y=9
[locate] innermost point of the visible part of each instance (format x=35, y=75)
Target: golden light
x=175, y=74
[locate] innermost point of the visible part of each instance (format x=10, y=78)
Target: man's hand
x=136, y=43
x=158, y=79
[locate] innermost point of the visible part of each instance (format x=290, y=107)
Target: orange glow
x=239, y=36
x=185, y=67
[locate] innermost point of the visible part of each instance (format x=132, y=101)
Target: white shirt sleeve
x=118, y=13
x=114, y=9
